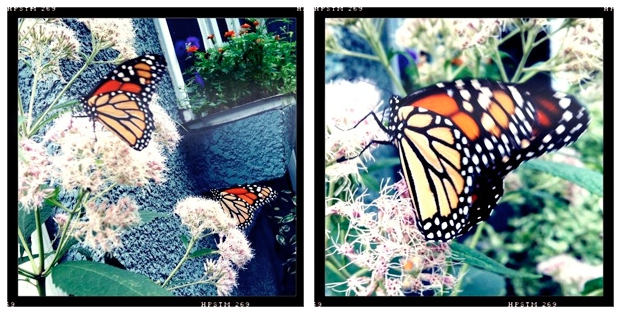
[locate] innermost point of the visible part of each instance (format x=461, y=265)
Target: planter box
x=246, y=144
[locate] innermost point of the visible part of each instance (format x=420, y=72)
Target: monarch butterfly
x=120, y=100
x=458, y=140
x=242, y=201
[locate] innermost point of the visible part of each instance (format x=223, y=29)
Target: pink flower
x=103, y=222
x=382, y=238
x=569, y=272
x=200, y=214
x=235, y=247
x=83, y=162
x=221, y=274
x=116, y=33
x=34, y=170
x=166, y=134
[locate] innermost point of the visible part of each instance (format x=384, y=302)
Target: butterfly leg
x=380, y=124
x=381, y=142
x=378, y=121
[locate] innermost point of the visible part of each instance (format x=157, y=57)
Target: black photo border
x=139, y=12
x=321, y=14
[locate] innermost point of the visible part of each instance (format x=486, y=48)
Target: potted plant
x=244, y=94
x=249, y=65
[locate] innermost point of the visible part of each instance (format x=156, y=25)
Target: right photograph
x=463, y=157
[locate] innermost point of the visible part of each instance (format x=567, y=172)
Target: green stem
x=477, y=66
x=178, y=266
x=329, y=263
x=499, y=63
x=35, y=81
x=330, y=192
x=460, y=68
x=41, y=286
x=90, y=59
x=25, y=273
x=527, y=75
x=190, y=284
x=526, y=51
x=37, y=218
x=355, y=54
x=465, y=266
x=361, y=272
x=64, y=238
x=99, y=195
x=40, y=279
x=328, y=223
x=508, y=36
x=24, y=243
x=28, y=281
x=373, y=38
x=548, y=36
x=20, y=104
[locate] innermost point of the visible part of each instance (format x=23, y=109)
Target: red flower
x=245, y=25
x=229, y=33
x=256, y=23
x=211, y=36
x=220, y=50
x=192, y=49
x=457, y=61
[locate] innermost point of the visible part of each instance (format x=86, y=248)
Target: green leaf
x=70, y=243
x=480, y=260
x=83, y=278
x=505, y=55
x=478, y=282
x=23, y=259
x=287, y=219
x=341, y=187
x=370, y=182
x=40, y=123
x=280, y=239
x=86, y=253
x=184, y=240
x=26, y=221
x=147, y=216
x=586, y=178
x=594, y=287
x=202, y=252
x=383, y=163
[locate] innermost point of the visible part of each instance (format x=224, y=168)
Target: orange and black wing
x=242, y=202
x=120, y=100
x=458, y=140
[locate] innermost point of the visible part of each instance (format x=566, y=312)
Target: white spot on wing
x=560, y=129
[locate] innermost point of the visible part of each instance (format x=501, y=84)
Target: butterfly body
x=457, y=141
x=243, y=201
x=120, y=100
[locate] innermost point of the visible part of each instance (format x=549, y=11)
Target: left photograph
x=157, y=157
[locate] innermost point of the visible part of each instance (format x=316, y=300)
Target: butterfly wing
x=243, y=201
x=120, y=100
x=457, y=141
